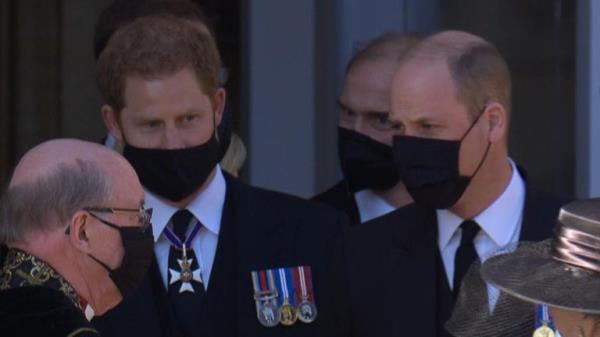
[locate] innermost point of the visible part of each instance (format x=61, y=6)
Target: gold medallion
x=543, y=331
x=288, y=313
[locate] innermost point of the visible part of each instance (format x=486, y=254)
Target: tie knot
x=181, y=221
x=469, y=229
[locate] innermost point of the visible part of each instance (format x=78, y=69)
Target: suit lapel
x=350, y=205
x=411, y=279
x=219, y=306
x=243, y=247
x=165, y=313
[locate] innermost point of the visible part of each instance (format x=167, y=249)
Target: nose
x=172, y=138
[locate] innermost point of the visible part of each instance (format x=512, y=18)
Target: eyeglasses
x=144, y=213
x=144, y=220
x=143, y=223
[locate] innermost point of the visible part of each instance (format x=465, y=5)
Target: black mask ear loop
x=487, y=150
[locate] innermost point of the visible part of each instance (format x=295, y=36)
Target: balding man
x=451, y=98
x=78, y=239
x=371, y=186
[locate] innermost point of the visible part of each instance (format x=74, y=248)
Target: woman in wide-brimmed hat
x=548, y=288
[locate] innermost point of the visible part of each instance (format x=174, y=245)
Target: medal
x=284, y=295
x=287, y=309
x=185, y=274
x=543, y=331
x=265, y=296
x=268, y=315
x=307, y=310
x=288, y=314
x=543, y=322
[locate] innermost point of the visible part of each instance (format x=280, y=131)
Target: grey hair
x=51, y=200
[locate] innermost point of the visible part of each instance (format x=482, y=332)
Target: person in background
x=79, y=239
x=234, y=158
x=451, y=100
x=371, y=186
x=548, y=288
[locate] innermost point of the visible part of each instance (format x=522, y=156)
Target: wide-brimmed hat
x=562, y=272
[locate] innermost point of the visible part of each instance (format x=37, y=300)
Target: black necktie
x=186, y=305
x=465, y=254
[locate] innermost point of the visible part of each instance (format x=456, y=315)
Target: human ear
x=78, y=231
x=497, y=121
x=110, y=118
x=218, y=102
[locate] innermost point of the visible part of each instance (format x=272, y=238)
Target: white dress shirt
x=370, y=205
x=207, y=208
x=500, y=225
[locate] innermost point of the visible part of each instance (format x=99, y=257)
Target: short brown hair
x=389, y=45
x=122, y=12
x=152, y=47
x=479, y=72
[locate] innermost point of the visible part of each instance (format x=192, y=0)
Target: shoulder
x=537, y=198
x=385, y=230
x=539, y=214
x=335, y=196
x=278, y=202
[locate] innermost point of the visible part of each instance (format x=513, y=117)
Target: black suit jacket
x=259, y=230
x=384, y=273
x=339, y=197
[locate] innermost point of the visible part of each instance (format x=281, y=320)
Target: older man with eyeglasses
x=78, y=239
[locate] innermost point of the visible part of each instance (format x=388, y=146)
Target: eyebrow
x=378, y=113
x=341, y=105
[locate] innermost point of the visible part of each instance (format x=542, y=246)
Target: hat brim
x=532, y=275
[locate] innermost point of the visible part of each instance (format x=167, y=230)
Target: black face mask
x=174, y=174
x=138, y=245
x=430, y=169
x=366, y=163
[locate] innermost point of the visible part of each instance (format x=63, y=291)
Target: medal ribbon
x=285, y=283
x=174, y=239
x=271, y=280
x=305, y=283
x=255, y=282
x=542, y=317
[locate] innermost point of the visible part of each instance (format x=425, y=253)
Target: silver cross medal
x=186, y=275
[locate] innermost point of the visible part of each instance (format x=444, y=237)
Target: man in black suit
x=399, y=274
x=371, y=186
x=219, y=243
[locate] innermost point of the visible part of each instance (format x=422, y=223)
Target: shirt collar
x=370, y=205
x=207, y=207
x=499, y=221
